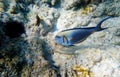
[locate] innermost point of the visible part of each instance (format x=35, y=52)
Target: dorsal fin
x=77, y=29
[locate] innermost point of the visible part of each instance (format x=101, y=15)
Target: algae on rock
x=37, y=55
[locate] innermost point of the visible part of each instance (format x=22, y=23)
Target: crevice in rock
x=14, y=29
x=58, y=4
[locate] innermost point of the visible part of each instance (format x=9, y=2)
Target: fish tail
x=98, y=27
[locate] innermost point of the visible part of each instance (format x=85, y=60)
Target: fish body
x=73, y=36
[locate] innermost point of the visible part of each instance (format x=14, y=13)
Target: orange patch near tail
x=94, y=31
x=71, y=39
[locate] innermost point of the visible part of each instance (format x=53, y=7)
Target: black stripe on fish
x=78, y=29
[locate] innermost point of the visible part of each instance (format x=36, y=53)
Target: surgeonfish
x=69, y=37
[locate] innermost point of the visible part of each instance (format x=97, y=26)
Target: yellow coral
x=86, y=10
x=80, y=71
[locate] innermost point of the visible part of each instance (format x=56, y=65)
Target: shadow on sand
x=46, y=52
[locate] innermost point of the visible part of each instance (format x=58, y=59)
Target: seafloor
x=28, y=29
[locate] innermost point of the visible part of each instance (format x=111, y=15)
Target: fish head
x=61, y=40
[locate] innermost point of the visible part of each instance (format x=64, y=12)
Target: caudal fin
x=98, y=27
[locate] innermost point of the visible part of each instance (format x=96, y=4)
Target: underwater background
x=28, y=28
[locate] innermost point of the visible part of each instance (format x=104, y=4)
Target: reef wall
x=28, y=28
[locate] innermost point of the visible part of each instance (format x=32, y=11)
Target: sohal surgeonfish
x=73, y=36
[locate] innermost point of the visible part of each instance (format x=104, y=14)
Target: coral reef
x=28, y=27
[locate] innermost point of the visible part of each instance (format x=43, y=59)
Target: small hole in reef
x=14, y=29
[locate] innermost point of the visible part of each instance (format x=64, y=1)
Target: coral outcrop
x=28, y=27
